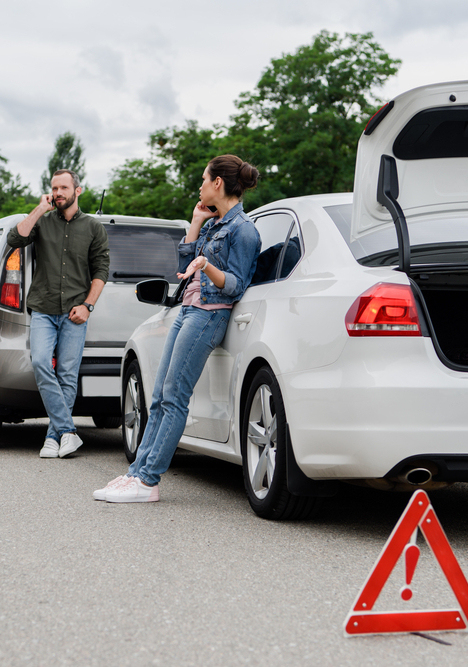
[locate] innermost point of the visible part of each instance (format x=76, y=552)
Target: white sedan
x=347, y=357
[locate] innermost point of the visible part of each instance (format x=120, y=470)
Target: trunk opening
x=445, y=294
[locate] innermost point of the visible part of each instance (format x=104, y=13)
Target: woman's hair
x=238, y=176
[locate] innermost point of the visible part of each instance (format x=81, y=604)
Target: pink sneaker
x=100, y=494
x=133, y=491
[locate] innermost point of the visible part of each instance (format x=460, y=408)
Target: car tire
x=104, y=421
x=134, y=415
x=263, y=445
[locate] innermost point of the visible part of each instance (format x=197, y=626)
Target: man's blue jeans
x=193, y=336
x=49, y=333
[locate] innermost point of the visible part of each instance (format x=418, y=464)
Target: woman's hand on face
x=194, y=265
x=201, y=213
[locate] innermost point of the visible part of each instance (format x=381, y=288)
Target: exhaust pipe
x=415, y=476
x=421, y=473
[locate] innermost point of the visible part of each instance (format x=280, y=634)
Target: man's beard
x=63, y=205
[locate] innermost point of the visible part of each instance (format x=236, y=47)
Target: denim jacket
x=232, y=244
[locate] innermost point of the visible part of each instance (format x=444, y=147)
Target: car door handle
x=243, y=319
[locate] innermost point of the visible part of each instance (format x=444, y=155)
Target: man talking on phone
x=72, y=266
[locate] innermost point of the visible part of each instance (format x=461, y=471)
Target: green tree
x=14, y=197
x=184, y=152
x=141, y=187
x=249, y=142
x=310, y=108
x=90, y=200
x=68, y=154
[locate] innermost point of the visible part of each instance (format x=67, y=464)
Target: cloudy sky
x=113, y=71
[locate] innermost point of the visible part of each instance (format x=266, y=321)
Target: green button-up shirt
x=69, y=255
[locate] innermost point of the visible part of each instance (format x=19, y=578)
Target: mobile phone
x=52, y=202
x=213, y=209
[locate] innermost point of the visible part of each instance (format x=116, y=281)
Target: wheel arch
x=133, y=406
x=249, y=375
x=129, y=357
x=298, y=483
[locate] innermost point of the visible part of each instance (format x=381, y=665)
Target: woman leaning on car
x=220, y=257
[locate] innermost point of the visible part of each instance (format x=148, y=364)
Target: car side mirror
x=152, y=291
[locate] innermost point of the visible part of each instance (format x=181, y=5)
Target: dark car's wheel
x=264, y=453
x=133, y=411
x=103, y=421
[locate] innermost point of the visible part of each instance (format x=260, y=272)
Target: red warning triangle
x=362, y=620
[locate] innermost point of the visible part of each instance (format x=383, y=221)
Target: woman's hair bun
x=238, y=176
x=248, y=176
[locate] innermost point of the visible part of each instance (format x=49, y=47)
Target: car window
x=281, y=248
x=137, y=253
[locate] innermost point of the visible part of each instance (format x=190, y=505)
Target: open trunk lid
x=410, y=205
x=425, y=132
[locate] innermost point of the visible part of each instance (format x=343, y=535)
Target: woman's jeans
x=193, y=336
x=57, y=333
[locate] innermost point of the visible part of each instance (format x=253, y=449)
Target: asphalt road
x=197, y=579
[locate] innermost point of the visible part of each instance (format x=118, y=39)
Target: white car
x=347, y=357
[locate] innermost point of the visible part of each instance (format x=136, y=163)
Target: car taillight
x=378, y=117
x=11, y=287
x=384, y=310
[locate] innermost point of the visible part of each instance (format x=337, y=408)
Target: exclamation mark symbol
x=411, y=560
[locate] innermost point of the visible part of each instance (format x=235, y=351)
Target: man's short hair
x=75, y=177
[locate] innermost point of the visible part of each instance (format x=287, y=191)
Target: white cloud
x=113, y=72
x=104, y=64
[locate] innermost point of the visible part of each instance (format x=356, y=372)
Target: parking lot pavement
x=196, y=579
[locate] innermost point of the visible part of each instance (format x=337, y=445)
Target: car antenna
x=99, y=211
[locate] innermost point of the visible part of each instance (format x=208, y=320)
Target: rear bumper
x=15, y=406
x=444, y=467
x=381, y=405
x=99, y=379
x=99, y=386
x=98, y=393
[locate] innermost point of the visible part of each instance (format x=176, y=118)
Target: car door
x=213, y=403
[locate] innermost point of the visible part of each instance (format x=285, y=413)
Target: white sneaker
x=69, y=443
x=100, y=494
x=133, y=491
x=50, y=450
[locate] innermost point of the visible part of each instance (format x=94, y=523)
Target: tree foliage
x=14, y=197
x=184, y=152
x=90, y=200
x=68, y=154
x=309, y=109
x=142, y=188
x=299, y=126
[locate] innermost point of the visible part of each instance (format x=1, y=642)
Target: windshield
x=432, y=240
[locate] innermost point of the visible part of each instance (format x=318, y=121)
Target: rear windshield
x=432, y=240
x=137, y=253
